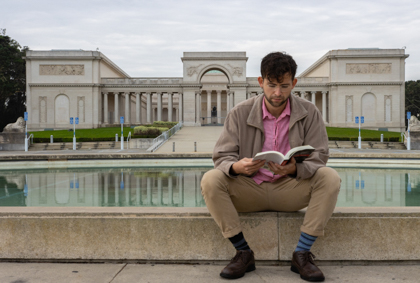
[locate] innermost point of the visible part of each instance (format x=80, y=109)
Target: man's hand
x=247, y=167
x=288, y=169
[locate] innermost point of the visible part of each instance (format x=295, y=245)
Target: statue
x=414, y=124
x=17, y=127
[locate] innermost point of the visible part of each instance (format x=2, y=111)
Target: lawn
x=341, y=133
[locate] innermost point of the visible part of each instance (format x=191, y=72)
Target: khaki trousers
x=225, y=197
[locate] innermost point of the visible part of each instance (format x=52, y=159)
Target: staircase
x=367, y=145
x=79, y=145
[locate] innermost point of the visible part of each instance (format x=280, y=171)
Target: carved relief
x=366, y=68
x=42, y=109
x=193, y=70
x=81, y=108
x=236, y=70
x=61, y=70
x=349, y=108
x=388, y=108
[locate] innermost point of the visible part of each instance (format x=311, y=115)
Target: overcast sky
x=147, y=38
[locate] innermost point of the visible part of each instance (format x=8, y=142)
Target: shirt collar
x=268, y=115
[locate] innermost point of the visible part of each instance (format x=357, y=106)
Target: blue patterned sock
x=305, y=242
x=239, y=242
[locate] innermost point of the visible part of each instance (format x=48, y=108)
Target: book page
x=299, y=150
x=274, y=156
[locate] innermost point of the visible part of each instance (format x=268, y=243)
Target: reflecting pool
x=180, y=187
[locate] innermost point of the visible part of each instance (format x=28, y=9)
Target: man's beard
x=272, y=103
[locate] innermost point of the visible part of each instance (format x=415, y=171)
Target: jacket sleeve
x=226, y=150
x=315, y=134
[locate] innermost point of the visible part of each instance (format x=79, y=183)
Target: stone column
x=116, y=114
x=138, y=108
x=219, y=107
x=105, y=108
x=313, y=97
x=127, y=108
x=159, y=106
x=160, y=189
x=170, y=191
x=197, y=107
x=149, y=108
x=138, y=191
x=232, y=103
x=116, y=191
x=209, y=107
x=324, y=106
x=149, y=190
x=180, y=107
x=227, y=102
x=302, y=94
x=170, y=107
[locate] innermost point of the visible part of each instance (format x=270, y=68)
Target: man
x=277, y=121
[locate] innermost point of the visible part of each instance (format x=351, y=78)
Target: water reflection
x=180, y=187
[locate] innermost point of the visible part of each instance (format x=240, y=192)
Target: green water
x=180, y=187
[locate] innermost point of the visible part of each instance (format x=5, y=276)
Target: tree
x=412, y=97
x=12, y=80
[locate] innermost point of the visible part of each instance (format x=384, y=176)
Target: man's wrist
x=232, y=171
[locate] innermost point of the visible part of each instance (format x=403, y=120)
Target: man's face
x=277, y=92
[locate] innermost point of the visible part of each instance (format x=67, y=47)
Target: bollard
x=122, y=141
x=195, y=146
x=51, y=139
x=173, y=147
x=382, y=137
x=116, y=137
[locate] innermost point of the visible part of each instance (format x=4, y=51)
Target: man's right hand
x=247, y=167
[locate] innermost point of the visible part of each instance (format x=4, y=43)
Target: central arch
x=214, y=67
x=214, y=101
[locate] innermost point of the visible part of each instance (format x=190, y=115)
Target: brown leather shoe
x=303, y=263
x=242, y=262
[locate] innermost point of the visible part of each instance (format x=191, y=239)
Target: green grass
x=353, y=134
x=84, y=133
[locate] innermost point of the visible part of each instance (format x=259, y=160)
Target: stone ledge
x=190, y=234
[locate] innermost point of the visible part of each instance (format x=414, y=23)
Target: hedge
x=390, y=139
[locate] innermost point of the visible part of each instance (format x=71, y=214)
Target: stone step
x=69, y=145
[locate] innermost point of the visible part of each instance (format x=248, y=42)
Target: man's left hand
x=288, y=169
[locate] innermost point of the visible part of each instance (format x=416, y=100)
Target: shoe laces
x=308, y=257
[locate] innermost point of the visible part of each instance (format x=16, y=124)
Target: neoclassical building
x=86, y=84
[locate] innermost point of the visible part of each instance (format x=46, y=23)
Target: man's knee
x=212, y=181
x=329, y=179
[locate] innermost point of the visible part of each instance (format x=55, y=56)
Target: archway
x=62, y=110
x=214, y=104
x=369, y=107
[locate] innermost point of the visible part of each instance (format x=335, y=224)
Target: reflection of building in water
x=180, y=187
x=370, y=187
x=412, y=196
x=124, y=187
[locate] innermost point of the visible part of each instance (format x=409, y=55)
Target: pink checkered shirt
x=276, y=138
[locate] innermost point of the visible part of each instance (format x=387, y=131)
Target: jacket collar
x=255, y=117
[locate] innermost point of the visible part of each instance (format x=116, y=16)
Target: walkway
x=192, y=273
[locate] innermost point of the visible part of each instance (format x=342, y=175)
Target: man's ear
x=261, y=81
x=294, y=82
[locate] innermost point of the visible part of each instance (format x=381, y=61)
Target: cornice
x=369, y=56
x=238, y=85
x=64, y=85
x=213, y=58
x=363, y=83
x=140, y=86
x=66, y=58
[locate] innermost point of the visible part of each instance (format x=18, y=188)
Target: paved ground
x=174, y=273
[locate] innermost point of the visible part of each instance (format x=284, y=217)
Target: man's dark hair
x=276, y=64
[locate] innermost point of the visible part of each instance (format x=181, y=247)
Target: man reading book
x=272, y=121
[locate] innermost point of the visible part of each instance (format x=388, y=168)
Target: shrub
x=164, y=124
x=148, y=131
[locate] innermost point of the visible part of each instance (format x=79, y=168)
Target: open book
x=299, y=153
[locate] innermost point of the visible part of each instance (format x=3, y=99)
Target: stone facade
x=86, y=84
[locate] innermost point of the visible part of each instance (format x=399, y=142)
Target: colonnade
x=198, y=98
x=308, y=95
x=138, y=109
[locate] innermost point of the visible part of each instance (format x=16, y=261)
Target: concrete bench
x=191, y=235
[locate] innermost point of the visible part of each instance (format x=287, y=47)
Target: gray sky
x=147, y=38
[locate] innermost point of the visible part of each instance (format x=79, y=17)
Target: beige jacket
x=243, y=135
